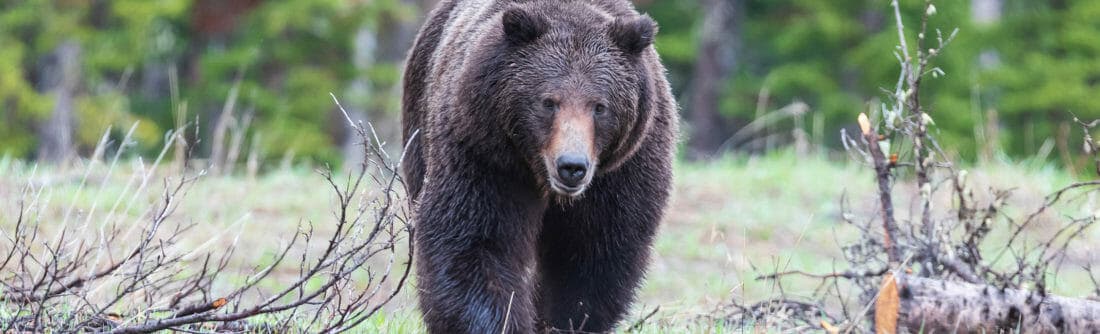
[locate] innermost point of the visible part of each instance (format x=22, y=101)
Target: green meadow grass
x=730, y=220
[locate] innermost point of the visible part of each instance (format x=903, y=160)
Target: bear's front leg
x=593, y=251
x=475, y=238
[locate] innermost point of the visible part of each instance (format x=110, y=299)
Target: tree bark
x=718, y=56
x=60, y=78
x=937, y=306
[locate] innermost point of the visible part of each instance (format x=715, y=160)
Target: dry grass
x=731, y=221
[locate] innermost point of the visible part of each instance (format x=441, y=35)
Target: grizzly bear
x=541, y=137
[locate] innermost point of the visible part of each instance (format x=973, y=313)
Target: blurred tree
x=1012, y=77
x=986, y=11
x=379, y=52
x=833, y=56
x=986, y=14
x=60, y=74
x=717, y=58
x=67, y=63
x=24, y=103
x=285, y=57
x=1050, y=67
x=288, y=56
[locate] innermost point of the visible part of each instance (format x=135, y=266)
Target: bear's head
x=573, y=86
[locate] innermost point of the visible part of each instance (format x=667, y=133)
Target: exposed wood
x=887, y=307
x=938, y=306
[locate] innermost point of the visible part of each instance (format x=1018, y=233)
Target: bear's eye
x=549, y=104
x=600, y=108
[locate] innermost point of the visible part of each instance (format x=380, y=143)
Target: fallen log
x=925, y=305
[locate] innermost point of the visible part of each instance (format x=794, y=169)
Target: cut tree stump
x=938, y=306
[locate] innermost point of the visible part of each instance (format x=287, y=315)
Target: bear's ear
x=521, y=27
x=633, y=34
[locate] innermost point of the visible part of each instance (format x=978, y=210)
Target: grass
x=730, y=220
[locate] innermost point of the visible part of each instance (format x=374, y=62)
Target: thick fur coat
x=542, y=136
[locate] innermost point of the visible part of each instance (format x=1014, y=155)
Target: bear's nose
x=571, y=169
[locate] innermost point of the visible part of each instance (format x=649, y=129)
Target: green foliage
x=21, y=104
x=287, y=56
x=838, y=55
x=1050, y=66
x=676, y=39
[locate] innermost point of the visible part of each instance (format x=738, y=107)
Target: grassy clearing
x=730, y=220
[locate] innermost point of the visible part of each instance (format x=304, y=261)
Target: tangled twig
x=61, y=284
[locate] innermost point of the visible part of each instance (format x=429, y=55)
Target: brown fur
x=572, y=133
x=492, y=237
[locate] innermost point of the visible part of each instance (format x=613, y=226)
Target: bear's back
x=466, y=25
